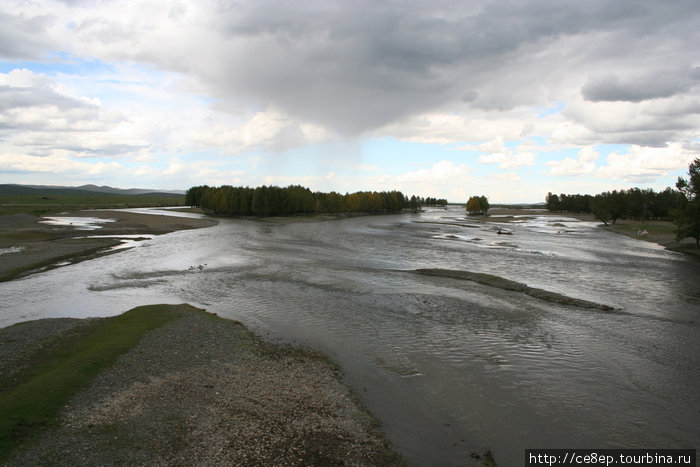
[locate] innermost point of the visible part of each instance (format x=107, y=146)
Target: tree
x=552, y=202
x=609, y=206
x=484, y=204
x=478, y=205
x=687, y=217
x=193, y=197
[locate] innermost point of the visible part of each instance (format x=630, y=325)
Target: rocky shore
x=200, y=390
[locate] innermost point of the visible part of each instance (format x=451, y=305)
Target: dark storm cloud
x=355, y=66
x=611, y=88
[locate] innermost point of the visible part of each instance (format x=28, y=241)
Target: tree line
x=432, y=201
x=681, y=205
x=610, y=206
x=265, y=201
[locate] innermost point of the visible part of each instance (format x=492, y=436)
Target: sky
x=507, y=99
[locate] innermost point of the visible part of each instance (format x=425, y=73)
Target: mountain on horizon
x=125, y=191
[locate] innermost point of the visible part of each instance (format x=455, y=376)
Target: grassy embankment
x=31, y=399
x=44, y=203
x=660, y=232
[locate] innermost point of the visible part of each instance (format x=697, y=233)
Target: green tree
x=484, y=205
x=478, y=205
x=687, y=217
x=193, y=197
x=609, y=206
x=552, y=202
x=600, y=206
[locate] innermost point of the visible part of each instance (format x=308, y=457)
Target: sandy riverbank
x=29, y=245
x=200, y=390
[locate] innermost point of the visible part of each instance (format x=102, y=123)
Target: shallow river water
x=449, y=366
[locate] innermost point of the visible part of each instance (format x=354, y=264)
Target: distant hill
x=130, y=191
x=13, y=189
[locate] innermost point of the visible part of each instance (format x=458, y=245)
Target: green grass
x=44, y=204
x=652, y=228
x=660, y=232
x=33, y=399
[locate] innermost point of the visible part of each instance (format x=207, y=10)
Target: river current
x=449, y=366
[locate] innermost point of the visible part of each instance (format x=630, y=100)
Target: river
x=449, y=366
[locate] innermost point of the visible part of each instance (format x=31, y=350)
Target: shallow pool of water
x=78, y=223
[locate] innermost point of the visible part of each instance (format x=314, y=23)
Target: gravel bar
x=204, y=391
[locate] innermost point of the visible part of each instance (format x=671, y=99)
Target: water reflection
x=78, y=223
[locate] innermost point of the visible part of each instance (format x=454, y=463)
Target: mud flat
x=194, y=389
x=28, y=244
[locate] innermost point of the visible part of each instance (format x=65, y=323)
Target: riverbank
x=29, y=245
x=194, y=390
x=662, y=233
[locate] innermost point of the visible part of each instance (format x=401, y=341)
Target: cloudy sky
x=510, y=99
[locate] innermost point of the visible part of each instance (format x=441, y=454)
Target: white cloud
x=584, y=164
x=270, y=131
x=497, y=152
x=644, y=165
x=443, y=179
x=37, y=118
x=495, y=146
x=448, y=128
x=440, y=172
x=175, y=166
x=648, y=123
x=55, y=165
x=638, y=165
x=508, y=177
x=509, y=160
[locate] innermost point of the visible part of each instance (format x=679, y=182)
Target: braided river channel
x=448, y=364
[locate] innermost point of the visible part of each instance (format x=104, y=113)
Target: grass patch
x=34, y=398
x=13, y=238
x=46, y=205
x=84, y=252
x=660, y=232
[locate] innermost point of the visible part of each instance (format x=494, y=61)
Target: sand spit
x=507, y=284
